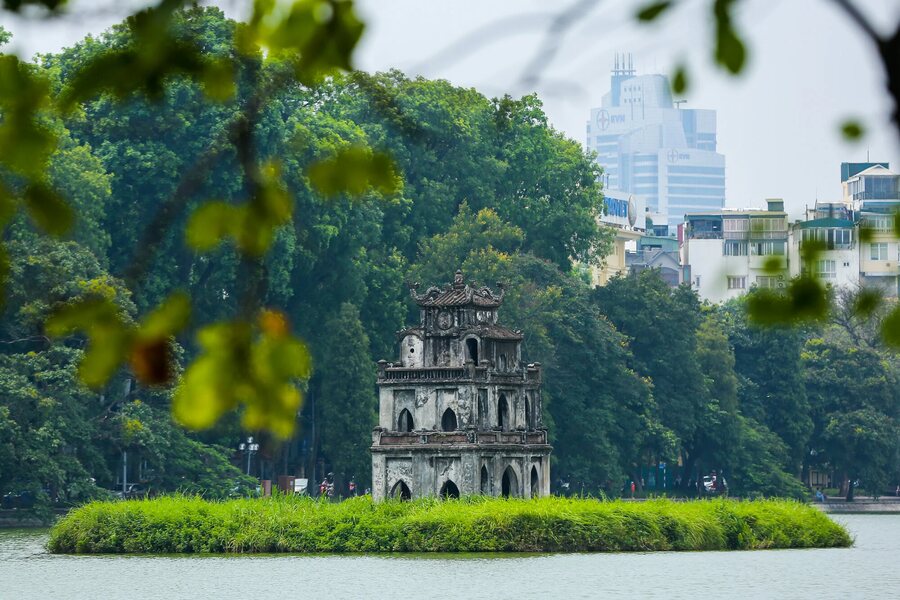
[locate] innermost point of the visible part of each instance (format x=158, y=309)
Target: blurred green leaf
x=680, y=80
x=217, y=79
x=804, y=299
x=897, y=223
x=317, y=36
x=167, y=319
x=104, y=354
x=890, y=328
x=867, y=301
x=25, y=143
x=353, y=170
x=257, y=367
x=48, y=209
x=152, y=55
x=774, y=264
x=852, y=130
x=108, y=337
x=210, y=224
x=653, y=10
x=81, y=315
x=729, y=48
x=866, y=233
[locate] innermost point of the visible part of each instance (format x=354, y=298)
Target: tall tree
x=347, y=393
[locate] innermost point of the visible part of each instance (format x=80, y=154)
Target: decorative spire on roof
x=458, y=293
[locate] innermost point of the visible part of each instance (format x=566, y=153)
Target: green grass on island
x=296, y=524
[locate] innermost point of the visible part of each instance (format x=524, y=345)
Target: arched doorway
x=535, y=482
x=503, y=413
x=472, y=348
x=485, y=481
x=510, y=483
x=449, y=490
x=405, y=421
x=448, y=421
x=401, y=491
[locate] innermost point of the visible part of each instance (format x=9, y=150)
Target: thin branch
x=857, y=17
x=548, y=50
x=477, y=39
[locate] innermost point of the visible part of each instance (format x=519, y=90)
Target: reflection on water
x=870, y=569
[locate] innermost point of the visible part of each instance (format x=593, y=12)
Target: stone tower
x=459, y=413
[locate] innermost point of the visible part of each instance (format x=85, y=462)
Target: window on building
x=735, y=248
x=472, y=347
x=405, y=421
x=878, y=222
x=826, y=269
x=503, y=413
x=767, y=281
x=767, y=248
x=737, y=282
x=768, y=224
x=448, y=421
x=733, y=225
x=878, y=251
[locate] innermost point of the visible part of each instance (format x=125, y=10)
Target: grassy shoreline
x=294, y=524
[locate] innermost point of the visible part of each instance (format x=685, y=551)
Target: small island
x=180, y=524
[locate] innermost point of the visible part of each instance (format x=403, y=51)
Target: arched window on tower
x=510, y=484
x=535, y=483
x=472, y=350
x=448, y=421
x=528, y=423
x=503, y=413
x=401, y=491
x=449, y=490
x=485, y=481
x=405, y=421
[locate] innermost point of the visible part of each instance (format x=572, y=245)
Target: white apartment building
x=725, y=252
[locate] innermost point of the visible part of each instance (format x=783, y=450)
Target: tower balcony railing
x=383, y=437
x=387, y=373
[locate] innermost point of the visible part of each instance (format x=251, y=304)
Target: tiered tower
x=460, y=414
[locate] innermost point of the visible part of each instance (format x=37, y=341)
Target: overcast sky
x=778, y=124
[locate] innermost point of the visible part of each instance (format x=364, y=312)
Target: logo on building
x=674, y=155
x=603, y=119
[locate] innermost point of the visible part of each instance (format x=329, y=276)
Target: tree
x=768, y=364
x=347, y=395
x=661, y=325
x=853, y=393
x=719, y=427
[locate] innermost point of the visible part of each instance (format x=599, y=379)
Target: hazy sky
x=809, y=69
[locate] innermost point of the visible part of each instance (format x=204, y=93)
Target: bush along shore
x=294, y=524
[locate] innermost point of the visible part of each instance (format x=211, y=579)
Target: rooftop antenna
x=678, y=103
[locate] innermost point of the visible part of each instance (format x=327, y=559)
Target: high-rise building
x=650, y=146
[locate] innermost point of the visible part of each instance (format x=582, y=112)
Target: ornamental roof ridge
x=458, y=293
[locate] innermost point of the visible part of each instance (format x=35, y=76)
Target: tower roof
x=459, y=293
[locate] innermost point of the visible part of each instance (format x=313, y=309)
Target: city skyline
x=796, y=88
x=650, y=146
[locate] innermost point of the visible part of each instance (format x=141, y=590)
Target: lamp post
x=248, y=448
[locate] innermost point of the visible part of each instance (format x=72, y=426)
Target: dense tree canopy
x=353, y=184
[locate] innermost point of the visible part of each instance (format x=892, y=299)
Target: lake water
x=871, y=569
